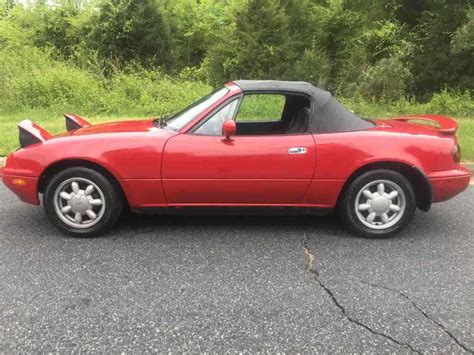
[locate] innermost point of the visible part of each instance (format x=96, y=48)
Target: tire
x=382, y=211
x=85, y=192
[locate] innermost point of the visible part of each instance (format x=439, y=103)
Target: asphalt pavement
x=233, y=283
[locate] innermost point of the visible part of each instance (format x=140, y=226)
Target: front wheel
x=81, y=202
x=379, y=203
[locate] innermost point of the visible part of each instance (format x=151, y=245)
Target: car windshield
x=182, y=118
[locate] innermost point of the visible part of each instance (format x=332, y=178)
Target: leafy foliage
x=149, y=57
x=258, y=47
x=31, y=79
x=384, y=50
x=124, y=31
x=386, y=80
x=434, y=65
x=463, y=39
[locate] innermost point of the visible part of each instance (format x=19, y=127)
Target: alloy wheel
x=380, y=204
x=79, y=202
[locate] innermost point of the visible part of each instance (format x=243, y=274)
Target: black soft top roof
x=320, y=96
x=327, y=115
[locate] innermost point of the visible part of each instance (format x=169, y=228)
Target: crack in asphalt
x=426, y=315
x=310, y=268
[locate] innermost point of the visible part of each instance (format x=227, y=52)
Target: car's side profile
x=258, y=144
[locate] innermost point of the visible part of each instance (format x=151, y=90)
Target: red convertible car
x=259, y=144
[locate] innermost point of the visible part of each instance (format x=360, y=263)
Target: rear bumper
x=447, y=184
x=25, y=187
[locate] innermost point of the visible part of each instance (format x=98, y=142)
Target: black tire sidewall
x=348, y=213
x=113, y=202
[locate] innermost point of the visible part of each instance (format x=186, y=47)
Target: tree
x=131, y=30
x=408, y=12
x=463, y=39
x=55, y=27
x=336, y=44
x=386, y=80
x=195, y=25
x=434, y=64
x=338, y=33
x=256, y=48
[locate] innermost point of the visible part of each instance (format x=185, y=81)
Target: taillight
x=457, y=153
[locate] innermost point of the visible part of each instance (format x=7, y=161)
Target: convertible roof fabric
x=327, y=114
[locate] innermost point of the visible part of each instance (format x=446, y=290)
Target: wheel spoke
x=368, y=194
x=66, y=209
x=95, y=202
x=392, y=195
x=65, y=196
x=394, y=208
x=371, y=217
x=78, y=217
x=364, y=207
x=91, y=214
x=88, y=190
x=380, y=189
x=75, y=187
x=384, y=217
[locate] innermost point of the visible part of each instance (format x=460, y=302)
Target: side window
x=261, y=108
x=273, y=114
x=213, y=126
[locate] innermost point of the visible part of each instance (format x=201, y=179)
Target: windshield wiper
x=162, y=120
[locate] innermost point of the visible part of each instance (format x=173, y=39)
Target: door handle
x=297, y=150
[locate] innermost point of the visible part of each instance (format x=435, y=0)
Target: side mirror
x=228, y=129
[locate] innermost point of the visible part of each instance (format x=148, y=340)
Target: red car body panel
x=130, y=151
x=27, y=192
x=158, y=167
x=339, y=155
x=245, y=170
x=447, y=184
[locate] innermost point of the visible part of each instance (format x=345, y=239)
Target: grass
x=466, y=138
x=53, y=121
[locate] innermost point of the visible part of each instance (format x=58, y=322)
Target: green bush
x=29, y=78
x=314, y=66
x=445, y=103
x=149, y=92
x=386, y=80
x=458, y=105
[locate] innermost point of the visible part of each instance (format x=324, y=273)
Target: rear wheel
x=379, y=203
x=81, y=202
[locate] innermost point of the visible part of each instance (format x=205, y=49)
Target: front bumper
x=25, y=187
x=447, y=184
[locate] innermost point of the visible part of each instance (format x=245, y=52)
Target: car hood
x=131, y=126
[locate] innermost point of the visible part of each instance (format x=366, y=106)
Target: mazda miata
x=252, y=145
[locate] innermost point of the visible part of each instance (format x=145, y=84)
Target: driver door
x=261, y=165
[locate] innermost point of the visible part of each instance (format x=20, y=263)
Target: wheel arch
x=421, y=184
x=57, y=166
